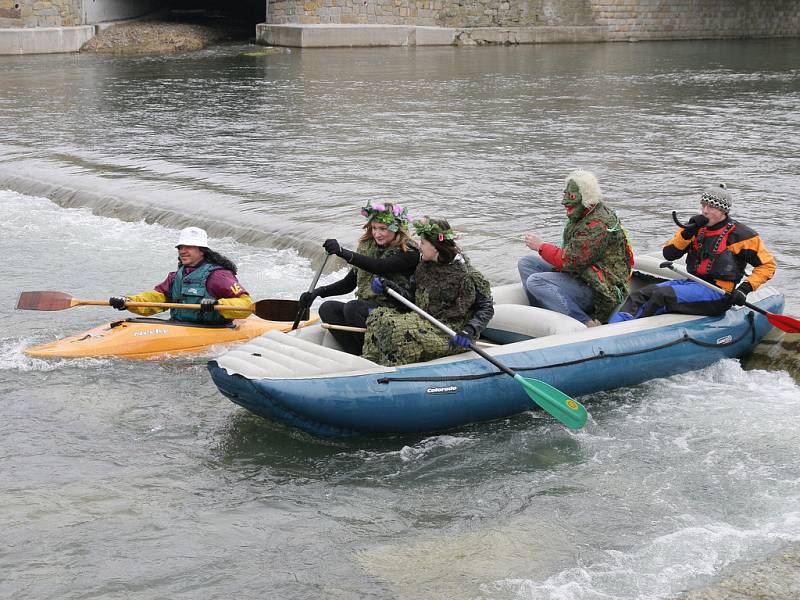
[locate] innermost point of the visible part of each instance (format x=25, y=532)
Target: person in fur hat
x=587, y=276
x=717, y=249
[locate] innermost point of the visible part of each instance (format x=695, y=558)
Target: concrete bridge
x=34, y=26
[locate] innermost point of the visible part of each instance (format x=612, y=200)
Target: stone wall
x=40, y=13
x=442, y=13
x=697, y=19
x=619, y=19
x=69, y=13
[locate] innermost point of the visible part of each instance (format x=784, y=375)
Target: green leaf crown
x=425, y=228
x=392, y=215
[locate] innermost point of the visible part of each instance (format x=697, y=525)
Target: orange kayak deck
x=152, y=338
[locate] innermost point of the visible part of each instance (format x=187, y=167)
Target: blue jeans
x=553, y=290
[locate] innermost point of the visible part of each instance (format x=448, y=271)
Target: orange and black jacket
x=719, y=255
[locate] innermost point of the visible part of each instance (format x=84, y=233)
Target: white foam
x=658, y=568
x=428, y=445
x=13, y=357
x=33, y=221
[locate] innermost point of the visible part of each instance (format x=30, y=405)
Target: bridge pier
x=50, y=26
x=328, y=23
x=37, y=26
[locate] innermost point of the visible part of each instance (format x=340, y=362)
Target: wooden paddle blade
x=277, y=310
x=555, y=402
x=784, y=323
x=44, y=301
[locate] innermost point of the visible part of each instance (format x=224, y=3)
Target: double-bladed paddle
x=552, y=400
x=782, y=322
x=270, y=310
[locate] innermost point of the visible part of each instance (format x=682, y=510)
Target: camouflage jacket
x=456, y=294
x=595, y=249
x=364, y=278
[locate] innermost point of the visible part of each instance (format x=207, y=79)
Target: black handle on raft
x=675, y=218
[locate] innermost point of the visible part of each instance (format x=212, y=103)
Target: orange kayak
x=151, y=337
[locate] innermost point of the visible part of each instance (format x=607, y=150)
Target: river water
x=129, y=479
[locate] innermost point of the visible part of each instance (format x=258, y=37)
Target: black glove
x=739, y=295
x=332, y=247
x=463, y=338
x=117, y=302
x=307, y=298
x=695, y=223
x=207, y=305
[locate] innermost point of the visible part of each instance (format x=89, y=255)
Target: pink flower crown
x=394, y=216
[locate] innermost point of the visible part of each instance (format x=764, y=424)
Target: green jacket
x=595, y=249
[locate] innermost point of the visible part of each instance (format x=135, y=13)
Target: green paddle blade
x=554, y=401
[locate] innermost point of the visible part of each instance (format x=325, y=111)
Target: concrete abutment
x=34, y=26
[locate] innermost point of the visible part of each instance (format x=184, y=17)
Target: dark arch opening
x=238, y=18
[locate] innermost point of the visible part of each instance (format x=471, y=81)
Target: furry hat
x=718, y=197
x=587, y=183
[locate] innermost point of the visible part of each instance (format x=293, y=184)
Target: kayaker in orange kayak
x=203, y=277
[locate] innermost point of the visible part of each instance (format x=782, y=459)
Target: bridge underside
x=240, y=11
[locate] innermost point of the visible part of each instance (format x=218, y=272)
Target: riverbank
x=165, y=36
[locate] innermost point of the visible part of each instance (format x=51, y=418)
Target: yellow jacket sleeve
x=242, y=301
x=151, y=296
x=757, y=255
x=678, y=243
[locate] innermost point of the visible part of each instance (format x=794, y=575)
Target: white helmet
x=193, y=236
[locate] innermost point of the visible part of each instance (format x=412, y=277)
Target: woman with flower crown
x=384, y=249
x=444, y=285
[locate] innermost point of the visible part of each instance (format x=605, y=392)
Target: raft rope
x=600, y=355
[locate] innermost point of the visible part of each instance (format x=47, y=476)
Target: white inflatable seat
x=649, y=265
x=515, y=322
x=317, y=335
x=511, y=293
x=278, y=355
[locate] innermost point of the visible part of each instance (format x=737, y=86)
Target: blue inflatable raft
x=304, y=380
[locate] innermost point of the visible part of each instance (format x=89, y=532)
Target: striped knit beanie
x=718, y=197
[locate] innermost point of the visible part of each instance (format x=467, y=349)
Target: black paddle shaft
x=302, y=308
x=491, y=359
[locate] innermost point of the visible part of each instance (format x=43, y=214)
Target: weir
x=38, y=26
x=140, y=200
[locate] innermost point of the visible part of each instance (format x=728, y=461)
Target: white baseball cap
x=193, y=236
